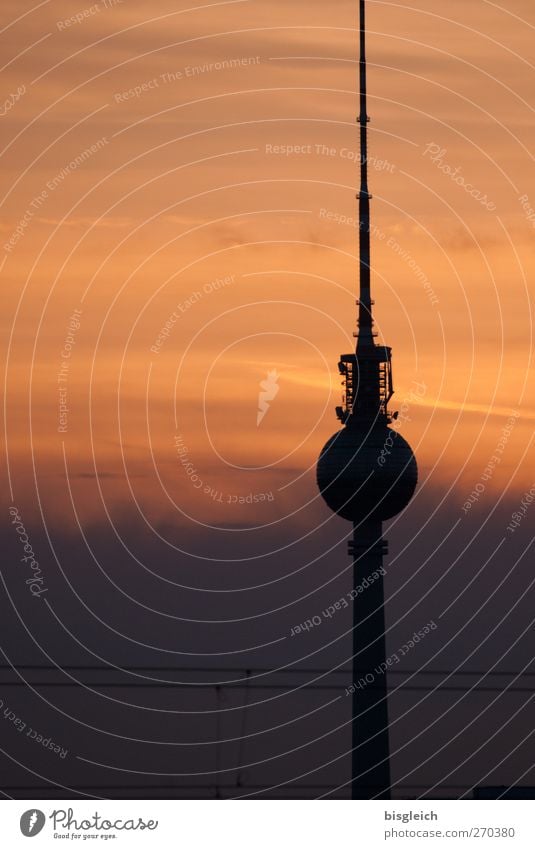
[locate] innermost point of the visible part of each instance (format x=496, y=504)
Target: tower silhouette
x=367, y=473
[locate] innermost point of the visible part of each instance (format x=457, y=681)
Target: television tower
x=367, y=473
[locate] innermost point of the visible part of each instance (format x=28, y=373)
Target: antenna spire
x=365, y=321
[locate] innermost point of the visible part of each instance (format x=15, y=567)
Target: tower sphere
x=367, y=473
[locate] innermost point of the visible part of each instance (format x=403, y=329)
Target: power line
x=247, y=685
x=250, y=670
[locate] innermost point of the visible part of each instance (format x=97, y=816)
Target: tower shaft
x=370, y=767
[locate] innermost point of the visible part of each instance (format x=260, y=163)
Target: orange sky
x=234, y=162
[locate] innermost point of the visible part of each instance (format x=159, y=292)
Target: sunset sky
x=178, y=220
x=189, y=183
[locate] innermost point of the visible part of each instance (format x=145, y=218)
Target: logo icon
x=269, y=388
x=31, y=822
